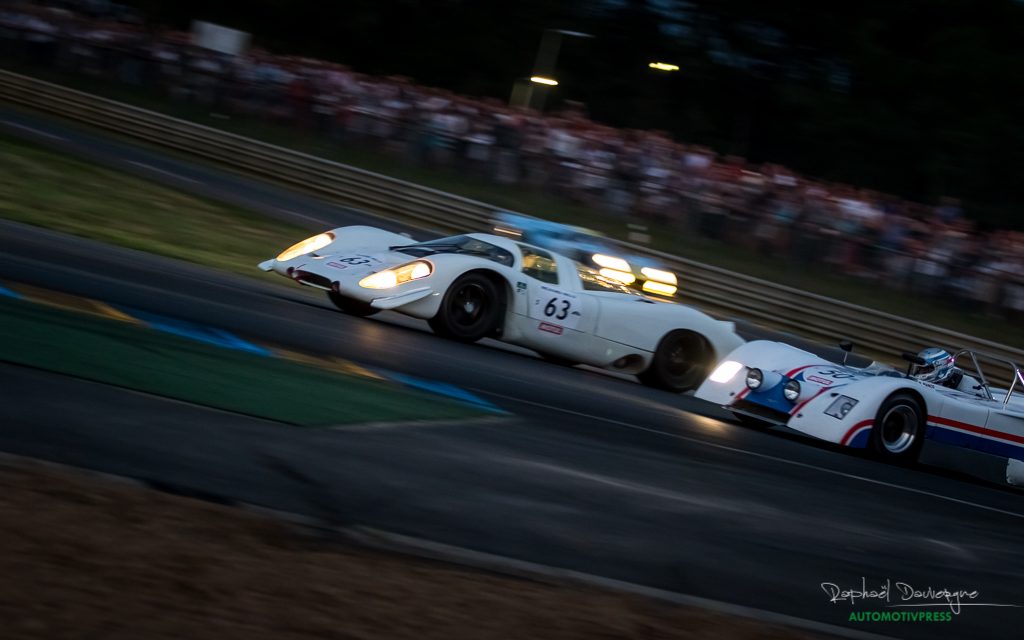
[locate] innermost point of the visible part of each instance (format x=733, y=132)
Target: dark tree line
x=920, y=97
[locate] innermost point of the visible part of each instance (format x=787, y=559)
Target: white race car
x=876, y=407
x=477, y=285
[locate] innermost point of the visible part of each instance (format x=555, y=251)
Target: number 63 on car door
x=557, y=307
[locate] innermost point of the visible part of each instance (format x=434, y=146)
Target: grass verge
x=57, y=191
x=142, y=359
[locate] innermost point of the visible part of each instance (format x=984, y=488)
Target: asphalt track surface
x=592, y=472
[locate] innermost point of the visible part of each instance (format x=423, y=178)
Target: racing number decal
x=555, y=306
x=558, y=308
x=351, y=261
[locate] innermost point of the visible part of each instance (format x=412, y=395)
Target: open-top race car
x=877, y=407
x=589, y=248
x=473, y=286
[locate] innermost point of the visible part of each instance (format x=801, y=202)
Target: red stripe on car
x=853, y=431
x=973, y=428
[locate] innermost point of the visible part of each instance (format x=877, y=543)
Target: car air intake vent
x=313, y=279
x=758, y=411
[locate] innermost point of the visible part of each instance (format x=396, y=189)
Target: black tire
x=681, y=362
x=898, y=432
x=351, y=306
x=471, y=309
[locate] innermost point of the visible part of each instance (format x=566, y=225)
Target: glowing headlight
x=396, y=276
x=840, y=407
x=754, y=379
x=725, y=371
x=622, y=276
x=791, y=391
x=660, y=288
x=611, y=262
x=309, y=245
x=658, y=275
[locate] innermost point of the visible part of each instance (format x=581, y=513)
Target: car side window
x=539, y=264
x=593, y=281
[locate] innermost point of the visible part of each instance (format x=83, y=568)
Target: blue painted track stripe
x=441, y=388
x=195, y=331
x=4, y=291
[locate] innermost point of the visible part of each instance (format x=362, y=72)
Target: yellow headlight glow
x=660, y=288
x=393, y=277
x=611, y=262
x=657, y=274
x=725, y=371
x=622, y=276
x=308, y=245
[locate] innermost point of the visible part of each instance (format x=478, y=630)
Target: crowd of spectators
x=765, y=209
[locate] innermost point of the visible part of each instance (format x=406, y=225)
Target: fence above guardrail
x=717, y=290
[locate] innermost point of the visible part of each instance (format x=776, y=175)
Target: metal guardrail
x=717, y=290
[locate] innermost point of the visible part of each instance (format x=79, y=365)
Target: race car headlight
x=658, y=275
x=840, y=407
x=725, y=371
x=611, y=262
x=624, y=277
x=754, y=379
x=791, y=390
x=660, y=288
x=393, y=277
x=308, y=245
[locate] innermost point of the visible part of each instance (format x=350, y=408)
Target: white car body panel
x=954, y=417
x=599, y=327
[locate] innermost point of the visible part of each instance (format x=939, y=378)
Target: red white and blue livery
x=878, y=407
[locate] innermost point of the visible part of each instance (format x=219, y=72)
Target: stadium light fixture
x=663, y=66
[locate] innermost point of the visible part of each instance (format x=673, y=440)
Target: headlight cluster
x=614, y=268
x=840, y=407
x=791, y=390
x=755, y=378
x=393, y=277
x=660, y=282
x=725, y=371
x=656, y=281
x=309, y=245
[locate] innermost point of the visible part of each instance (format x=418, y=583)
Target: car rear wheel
x=352, y=306
x=898, y=432
x=470, y=310
x=681, y=362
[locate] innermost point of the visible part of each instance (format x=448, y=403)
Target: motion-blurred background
x=835, y=147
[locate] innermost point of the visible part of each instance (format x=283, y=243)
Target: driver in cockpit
x=940, y=368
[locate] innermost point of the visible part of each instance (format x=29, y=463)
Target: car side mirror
x=847, y=347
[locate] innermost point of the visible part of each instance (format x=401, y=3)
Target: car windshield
x=464, y=245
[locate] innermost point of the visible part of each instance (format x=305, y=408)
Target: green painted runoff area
x=134, y=357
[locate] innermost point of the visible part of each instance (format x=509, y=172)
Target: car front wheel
x=898, y=432
x=470, y=310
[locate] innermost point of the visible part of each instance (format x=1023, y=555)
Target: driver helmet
x=938, y=365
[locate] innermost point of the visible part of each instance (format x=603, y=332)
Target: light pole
x=543, y=69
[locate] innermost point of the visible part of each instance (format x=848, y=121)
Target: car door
x=961, y=419
x=554, y=314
